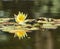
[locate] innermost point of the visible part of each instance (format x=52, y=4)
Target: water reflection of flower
x=20, y=33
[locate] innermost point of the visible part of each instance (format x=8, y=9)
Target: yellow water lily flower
x=20, y=18
x=20, y=34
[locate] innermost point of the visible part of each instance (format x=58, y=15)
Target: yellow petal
x=20, y=17
x=20, y=33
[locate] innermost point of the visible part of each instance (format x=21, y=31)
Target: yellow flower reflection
x=20, y=18
x=20, y=34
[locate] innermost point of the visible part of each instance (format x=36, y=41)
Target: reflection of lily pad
x=3, y=38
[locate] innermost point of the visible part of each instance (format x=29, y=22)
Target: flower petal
x=20, y=18
x=20, y=33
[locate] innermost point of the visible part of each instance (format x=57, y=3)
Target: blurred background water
x=48, y=39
